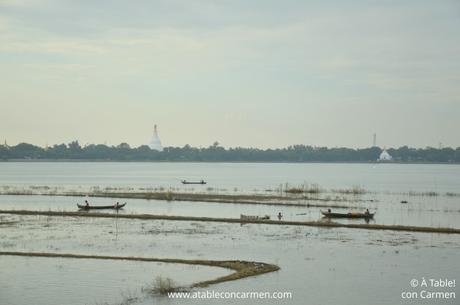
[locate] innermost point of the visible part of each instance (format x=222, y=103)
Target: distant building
x=385, y=156
x=155, y=143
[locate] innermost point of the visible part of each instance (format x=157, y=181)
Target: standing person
x=280, y=216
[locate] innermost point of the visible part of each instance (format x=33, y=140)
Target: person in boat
x=86, y=203
x=116, y=205
x=367, y=212
x=280, y=216
x=329, y=211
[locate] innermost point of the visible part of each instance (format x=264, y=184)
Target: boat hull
x=101, y=207
x=348, y=215
x=192, y=182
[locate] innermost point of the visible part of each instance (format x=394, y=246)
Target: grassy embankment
x=239, y=221
x=292, y=198
x=242, y=268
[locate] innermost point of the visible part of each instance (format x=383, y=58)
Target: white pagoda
x=155, y=143
x=385, y=156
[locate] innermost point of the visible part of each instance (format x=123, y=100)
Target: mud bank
x=242, y=269
x=326, y=224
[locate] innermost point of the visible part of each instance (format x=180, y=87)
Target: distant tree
x=216, y=153
x=123, y=146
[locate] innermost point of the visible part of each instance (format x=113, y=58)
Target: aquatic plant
x=303, y=189
x=354, y=190
x=162, y=285
x=169, y=196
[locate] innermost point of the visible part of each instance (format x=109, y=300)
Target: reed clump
x=354, y=190
x=163, y=285
x=303, y=189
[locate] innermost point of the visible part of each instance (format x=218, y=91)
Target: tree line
x=216, y=153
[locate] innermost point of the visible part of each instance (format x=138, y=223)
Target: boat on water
x=348, y=215
x=193, y=182
x=100, y=207
x=254, y=217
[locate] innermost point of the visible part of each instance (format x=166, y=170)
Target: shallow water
x=437, y=211
x=56, y=281
x=318, y=265
x=243, y=176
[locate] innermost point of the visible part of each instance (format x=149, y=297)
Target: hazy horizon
x=264, y=74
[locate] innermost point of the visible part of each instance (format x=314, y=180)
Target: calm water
x=57, y=281
x=318, y=265
x=244, y=176
x=419, y=211
x=388, y=185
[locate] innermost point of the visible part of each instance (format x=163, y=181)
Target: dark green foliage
x=216, y=153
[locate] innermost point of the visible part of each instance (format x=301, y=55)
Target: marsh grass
x=303, y=189
x=354, y=190
x=423, y=194
x=240, y=221
x=169, y=196
x=162, y=286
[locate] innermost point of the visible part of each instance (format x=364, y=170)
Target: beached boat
x=193, y=182
x=100, y=207
x=252, y=217
x=347, y=215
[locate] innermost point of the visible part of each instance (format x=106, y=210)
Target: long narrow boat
x=100, y=207
x=348, y=215
x=254, y=217
x=193, y=182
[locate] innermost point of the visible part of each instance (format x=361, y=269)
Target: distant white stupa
x=155, y=143
x=385, y=156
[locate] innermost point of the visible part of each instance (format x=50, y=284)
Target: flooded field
x=56, y=281
x=432, y=211
x=317, y=265
x=347, y=260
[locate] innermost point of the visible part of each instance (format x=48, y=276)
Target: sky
x=264, y=74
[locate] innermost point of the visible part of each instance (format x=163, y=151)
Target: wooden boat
x=251, y=217
x=100, y=207
x=348, y=215
x=193, y=182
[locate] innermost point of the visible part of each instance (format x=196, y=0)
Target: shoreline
x=211, y=161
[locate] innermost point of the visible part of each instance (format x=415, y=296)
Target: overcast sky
x=244, y=73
